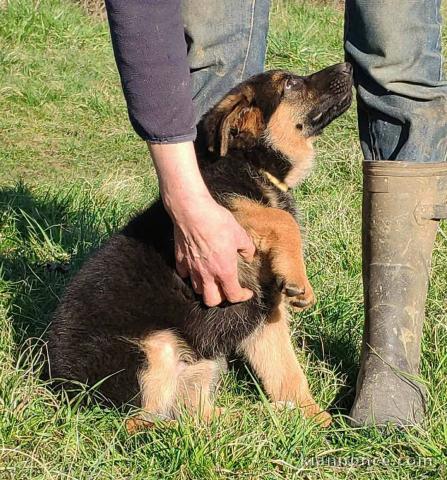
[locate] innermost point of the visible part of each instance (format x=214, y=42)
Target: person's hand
x=208, y=239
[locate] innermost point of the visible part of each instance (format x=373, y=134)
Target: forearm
x=180, y=180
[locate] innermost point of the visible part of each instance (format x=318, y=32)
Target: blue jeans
x=226, y=44
x=395, y=48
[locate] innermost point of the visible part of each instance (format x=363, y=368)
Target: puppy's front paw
x=298, y=297
x=313, y=411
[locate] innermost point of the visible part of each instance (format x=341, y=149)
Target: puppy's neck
x=282, y=136
x=274, y=181
x=277, y=168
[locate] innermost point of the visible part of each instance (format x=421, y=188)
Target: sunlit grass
x=72, y=171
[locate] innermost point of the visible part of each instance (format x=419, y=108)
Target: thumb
x=182, y=269
x=181, y=264
x=246, y=247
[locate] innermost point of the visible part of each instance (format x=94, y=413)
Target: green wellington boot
x=402, y=205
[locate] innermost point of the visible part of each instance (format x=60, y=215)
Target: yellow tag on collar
x=275, y=181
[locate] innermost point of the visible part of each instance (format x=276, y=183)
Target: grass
x=72, y=171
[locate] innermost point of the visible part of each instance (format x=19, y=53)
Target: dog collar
x=275, y=181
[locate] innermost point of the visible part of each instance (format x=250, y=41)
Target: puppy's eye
x=290, y=83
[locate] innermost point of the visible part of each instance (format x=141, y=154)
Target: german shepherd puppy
x=129, y=323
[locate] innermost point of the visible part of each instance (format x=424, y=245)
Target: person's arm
x=207, y=236
x=150, y=51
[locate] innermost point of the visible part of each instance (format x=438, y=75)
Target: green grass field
x=72, y=171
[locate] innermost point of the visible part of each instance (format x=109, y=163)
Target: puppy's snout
x=333, y=80
x=339, y=86
x=342, y=81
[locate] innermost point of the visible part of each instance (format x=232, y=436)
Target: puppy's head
x=281, y=110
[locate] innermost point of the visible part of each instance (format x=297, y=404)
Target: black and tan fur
x=128, y=321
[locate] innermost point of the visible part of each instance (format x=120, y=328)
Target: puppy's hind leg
x=196, y=385
x=158, y=380
x=174, y=381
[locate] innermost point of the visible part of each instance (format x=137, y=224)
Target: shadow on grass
x=42, y=235
x=341, y=355
x=339, y=350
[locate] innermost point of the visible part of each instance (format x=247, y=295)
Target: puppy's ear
x=236, y=113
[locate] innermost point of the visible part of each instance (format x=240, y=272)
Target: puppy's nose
x=346, y=68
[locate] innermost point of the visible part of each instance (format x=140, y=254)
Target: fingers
x=212, y=261
x=197, y=283
x=212, y=295
x=214, y=288
x=185, y=270
x=232, y=289
x=219, y=288
x=181, y=262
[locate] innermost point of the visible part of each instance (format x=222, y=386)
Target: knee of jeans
x=226, y=36
x=395, y=41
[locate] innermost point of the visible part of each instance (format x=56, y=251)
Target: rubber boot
x=402, y=205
